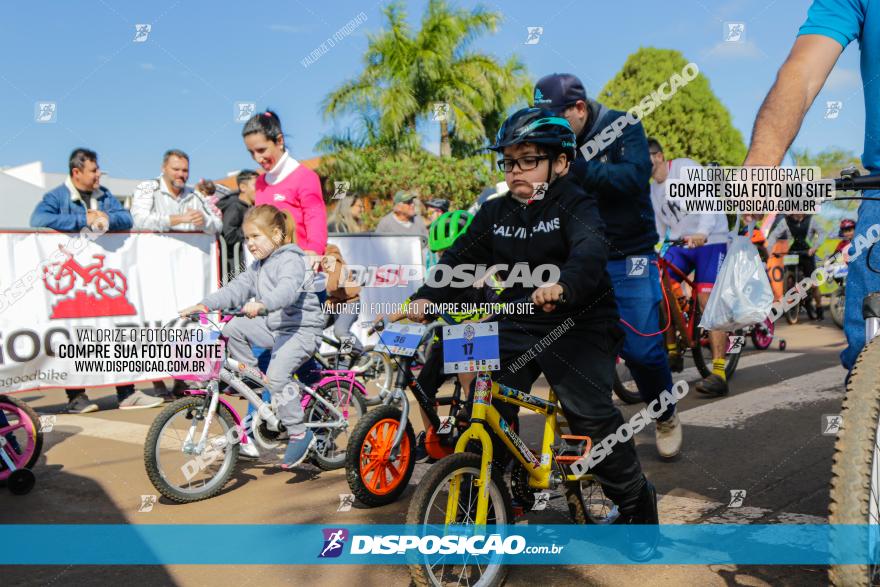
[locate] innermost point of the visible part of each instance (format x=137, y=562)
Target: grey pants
x=344, y=320
x=290, y=349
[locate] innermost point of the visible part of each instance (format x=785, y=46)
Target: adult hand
x=812, y=251
x=547, y=297
x=183, y=218
x=695, y=240
x=98, y=220
x=198, y=219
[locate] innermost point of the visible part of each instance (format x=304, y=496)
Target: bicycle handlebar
x=858, y=182
x=380, y=326
x=233, y=313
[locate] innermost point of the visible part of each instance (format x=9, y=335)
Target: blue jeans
x=638, y=301
x=860, y=281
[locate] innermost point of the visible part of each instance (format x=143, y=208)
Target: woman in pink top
x=287, y=185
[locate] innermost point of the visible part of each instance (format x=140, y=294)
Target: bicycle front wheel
x=855, y=473
x=175, y=467
x=428, y=508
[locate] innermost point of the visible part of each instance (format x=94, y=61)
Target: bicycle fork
x=476, y=431
x=188, y=444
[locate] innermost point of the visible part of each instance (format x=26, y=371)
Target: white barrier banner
x=50, y=289
x=386, y=266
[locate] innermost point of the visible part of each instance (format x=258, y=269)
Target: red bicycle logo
x=61, y=277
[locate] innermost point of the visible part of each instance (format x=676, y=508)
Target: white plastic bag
x=742, y=293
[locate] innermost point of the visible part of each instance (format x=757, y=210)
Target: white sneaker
x=248, y=450
x=668, y=437
x=139, y=401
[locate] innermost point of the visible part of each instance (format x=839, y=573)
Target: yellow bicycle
x=468, y=489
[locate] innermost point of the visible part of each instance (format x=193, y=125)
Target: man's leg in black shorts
x=807, y=265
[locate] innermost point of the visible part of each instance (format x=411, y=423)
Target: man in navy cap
x=617, y=172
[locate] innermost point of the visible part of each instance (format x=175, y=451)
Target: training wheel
x=21, y=481
x=782, y=344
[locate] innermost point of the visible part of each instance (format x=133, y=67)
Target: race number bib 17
x=471, y=347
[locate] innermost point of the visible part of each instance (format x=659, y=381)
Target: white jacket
x=669, y=216
x=153, y=205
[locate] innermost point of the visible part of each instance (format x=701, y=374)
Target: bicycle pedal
x=572, y=448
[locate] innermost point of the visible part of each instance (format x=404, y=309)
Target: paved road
x=765, y=438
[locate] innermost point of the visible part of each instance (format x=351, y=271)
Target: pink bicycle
x=20, y=443
x=193, y=444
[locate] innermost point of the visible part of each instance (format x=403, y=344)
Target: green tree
x=377, y=172
x=831, y=160
x=693, y=123
x=407, y=74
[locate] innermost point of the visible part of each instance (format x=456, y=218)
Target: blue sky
x=132, y=101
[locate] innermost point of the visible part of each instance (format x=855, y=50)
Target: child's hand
x=547, y=297
x=253, y=309
x=186, y=312
x=416, y=310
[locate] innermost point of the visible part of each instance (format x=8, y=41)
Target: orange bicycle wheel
x=374, y=476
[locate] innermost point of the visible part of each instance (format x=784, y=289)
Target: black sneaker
x=713, y=385
x=820, y=313
x=676, y=362
x=644, y=519
x=81, y=404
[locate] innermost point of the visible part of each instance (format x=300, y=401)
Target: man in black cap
x=613, y=163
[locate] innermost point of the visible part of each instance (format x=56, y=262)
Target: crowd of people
x=589, y=216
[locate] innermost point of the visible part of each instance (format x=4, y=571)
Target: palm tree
x=406, y=74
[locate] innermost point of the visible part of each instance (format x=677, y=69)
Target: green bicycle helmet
x=447, y=228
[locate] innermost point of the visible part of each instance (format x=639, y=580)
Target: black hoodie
x=562, y=229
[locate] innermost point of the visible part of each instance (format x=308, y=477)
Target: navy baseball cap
x=558, y=91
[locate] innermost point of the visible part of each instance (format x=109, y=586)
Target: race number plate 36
x=401, y=339
x=468, y=348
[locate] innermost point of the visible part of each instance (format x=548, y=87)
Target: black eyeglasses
x=654, y=152
x=524, y=163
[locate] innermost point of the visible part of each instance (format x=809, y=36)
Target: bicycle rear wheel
x=331, y=445
x=855, y=472
x=588, y=504
x=624, y=385
x=20, y=428
x=702, y=351
x=792, y=314
x=376, y=371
